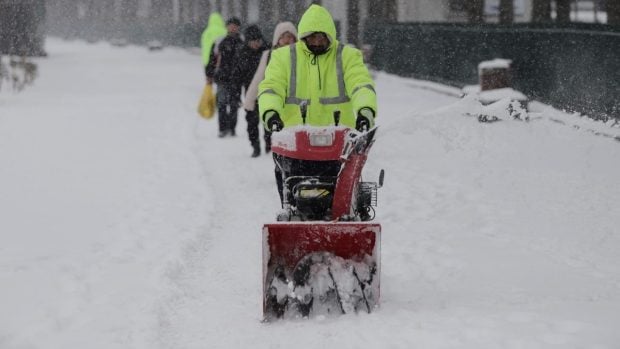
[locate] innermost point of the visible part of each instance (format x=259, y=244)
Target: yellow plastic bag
x=206, y=107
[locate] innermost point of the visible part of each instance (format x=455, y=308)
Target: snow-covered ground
x=126, y=223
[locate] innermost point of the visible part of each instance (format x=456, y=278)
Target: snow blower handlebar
x=303, y=107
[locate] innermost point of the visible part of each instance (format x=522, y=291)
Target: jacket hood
x=317, y=19
x=215, y=29
x=216, y=21
x=282, y=28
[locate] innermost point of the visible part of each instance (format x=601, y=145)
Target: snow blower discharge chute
x=322, y=256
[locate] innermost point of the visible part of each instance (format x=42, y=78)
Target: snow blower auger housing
x=322, y=256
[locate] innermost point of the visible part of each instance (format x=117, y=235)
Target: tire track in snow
x=211, y=275
x=190, y=262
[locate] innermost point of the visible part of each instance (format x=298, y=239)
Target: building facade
x=352, y=16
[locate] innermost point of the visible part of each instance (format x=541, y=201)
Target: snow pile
x=492, y=96
x=328, y=285
x=19, y=72
x=505, y=109
x=605, y=128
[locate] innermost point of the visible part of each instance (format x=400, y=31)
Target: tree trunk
x=129, y=9
x=162, y=9
x=541, y=11
x=265, y=11
x=243, y=9
x=562, y=11
x=232, y=10
x=383, y=10
x=203, y=10
x=613, y=12
x=266, y=16
x=391, y=10
x=102, y=12
x=205, y=5
x=186, y=11
x=475, y=11
x=353, y=22
x=300, y=7
x=374, y=10
x=286, y=10
x=506, y=11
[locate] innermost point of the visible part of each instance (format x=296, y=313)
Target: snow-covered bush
x=503, y=109
x=20, y=72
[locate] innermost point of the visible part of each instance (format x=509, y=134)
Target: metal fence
x=574, y=67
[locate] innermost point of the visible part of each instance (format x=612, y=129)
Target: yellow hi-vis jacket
x=337, y=80
x=215, y=30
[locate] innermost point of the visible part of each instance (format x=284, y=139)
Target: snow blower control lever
x=304, y=110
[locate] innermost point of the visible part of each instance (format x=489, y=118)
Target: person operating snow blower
x=322, y=256
x=321, y=75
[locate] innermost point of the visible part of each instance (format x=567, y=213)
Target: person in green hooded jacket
x=320, y=73
x=215, y=30
x=322, y=77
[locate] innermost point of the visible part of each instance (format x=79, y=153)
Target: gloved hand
x=273, y=123
x=365, y=119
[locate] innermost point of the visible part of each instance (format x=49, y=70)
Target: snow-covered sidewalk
x=126, y=223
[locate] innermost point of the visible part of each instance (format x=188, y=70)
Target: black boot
x=256, y=151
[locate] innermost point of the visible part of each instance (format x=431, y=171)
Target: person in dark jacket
x=249, y=58
x=223, y=71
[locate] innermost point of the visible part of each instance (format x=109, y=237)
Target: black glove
x=365, y=119
x=273, y=123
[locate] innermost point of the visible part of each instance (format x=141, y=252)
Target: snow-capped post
x=495, y=91
x=495, y=74
x=496, y=83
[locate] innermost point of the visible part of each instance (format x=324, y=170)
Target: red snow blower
x=322, y=256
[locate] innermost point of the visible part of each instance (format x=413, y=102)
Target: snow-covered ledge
x=491, y=96
x=497, y=63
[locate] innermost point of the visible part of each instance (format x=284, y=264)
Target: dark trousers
x=251, y=116
x=228, y=100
